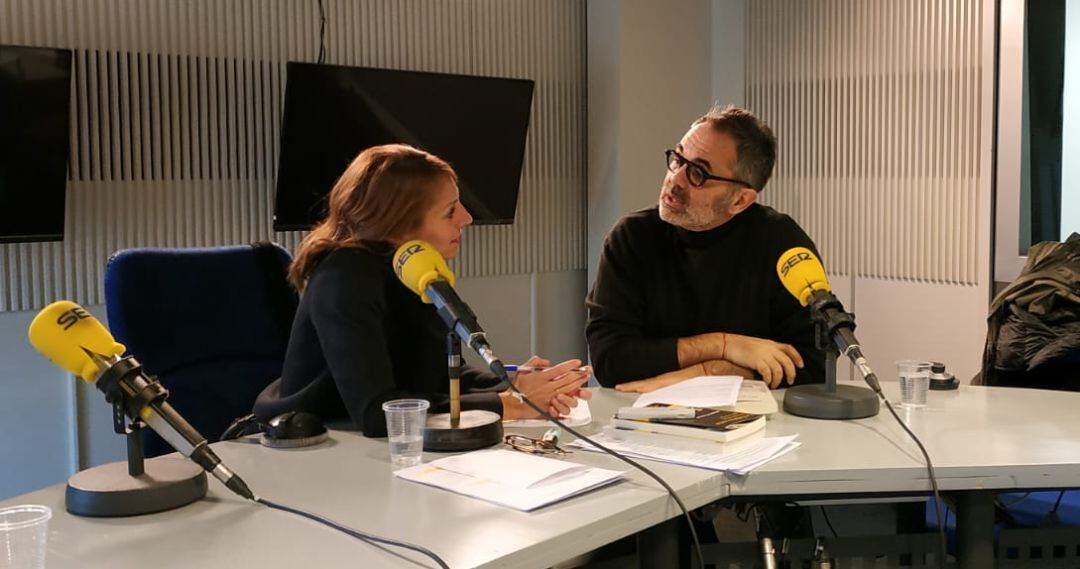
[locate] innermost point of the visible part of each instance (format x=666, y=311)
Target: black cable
x=1054, y=510
x=322, y=33
x=828, y=522
x=362, y=536
x=686, y=513
x=933, y=483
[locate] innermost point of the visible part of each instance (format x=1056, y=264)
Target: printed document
x=510, y=478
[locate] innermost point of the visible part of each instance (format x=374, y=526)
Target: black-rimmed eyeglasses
x=696, y=174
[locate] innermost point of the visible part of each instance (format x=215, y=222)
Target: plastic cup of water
x=914, y=378
x=405, y=420
x=23, y=532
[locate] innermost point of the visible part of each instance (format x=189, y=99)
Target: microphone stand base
x=822, y=401
x=476, y=429
x=108, y=490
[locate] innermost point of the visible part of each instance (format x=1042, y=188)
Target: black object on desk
x=137, y=486
x=829, y=400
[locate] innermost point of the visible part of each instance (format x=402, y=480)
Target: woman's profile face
x=443, y=223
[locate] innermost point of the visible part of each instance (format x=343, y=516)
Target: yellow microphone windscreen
x=417, y=264
x=64, y=332
x=802, y=273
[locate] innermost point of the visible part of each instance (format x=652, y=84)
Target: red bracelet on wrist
x=723, y=336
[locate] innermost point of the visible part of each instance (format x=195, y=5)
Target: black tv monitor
x=477, y=124
x=35, y=110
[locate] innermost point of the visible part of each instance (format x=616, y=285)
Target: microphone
x=424, y=271
x=74, y=340
x=803, y=275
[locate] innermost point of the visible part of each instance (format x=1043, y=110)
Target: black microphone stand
x=136, y=486
x=460, y=430
x=829, y=400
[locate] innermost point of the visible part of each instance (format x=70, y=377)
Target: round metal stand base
x=818, y=402
x=476, y=429
x=109, y=491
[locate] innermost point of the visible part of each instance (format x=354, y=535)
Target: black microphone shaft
x=462, y=321
x=841, y=326
x=170, y=425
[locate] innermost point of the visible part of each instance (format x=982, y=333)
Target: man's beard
x=699, y=219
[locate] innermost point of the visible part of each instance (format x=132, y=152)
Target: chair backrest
x=211, y=323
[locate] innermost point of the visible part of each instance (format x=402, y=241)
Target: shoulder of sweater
x=634, y=224
x=350, y=266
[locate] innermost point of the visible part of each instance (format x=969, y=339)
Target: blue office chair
x=211, y=323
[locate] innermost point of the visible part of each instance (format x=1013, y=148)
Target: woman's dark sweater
x=361, y=338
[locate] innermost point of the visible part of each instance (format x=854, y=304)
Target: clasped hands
x=557, y=389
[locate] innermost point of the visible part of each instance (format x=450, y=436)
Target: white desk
x=348, y=480
x=981, y=440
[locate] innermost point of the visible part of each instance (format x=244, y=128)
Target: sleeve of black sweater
x=348, y=317
x=619, y=349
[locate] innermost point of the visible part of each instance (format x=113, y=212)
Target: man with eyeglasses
x=689, y=288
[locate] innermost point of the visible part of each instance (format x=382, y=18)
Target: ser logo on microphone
x=792, y=261
x=405, y=255
x=68, y=318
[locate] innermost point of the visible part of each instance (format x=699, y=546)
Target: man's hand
x=773, y=360
x=710, y=367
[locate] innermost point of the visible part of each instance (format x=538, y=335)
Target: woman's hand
x=772, y=360
x=556, y=389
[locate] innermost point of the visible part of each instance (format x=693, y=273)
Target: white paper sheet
x=729, y=457
x=489, y=471
x=704, y=391
x=579, y=415
x=510, y=468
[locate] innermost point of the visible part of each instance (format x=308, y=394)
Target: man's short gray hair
x=755, y=144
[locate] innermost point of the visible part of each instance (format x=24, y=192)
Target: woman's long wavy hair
x=383, y=195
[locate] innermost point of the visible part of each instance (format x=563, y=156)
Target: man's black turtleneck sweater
x=657, y=283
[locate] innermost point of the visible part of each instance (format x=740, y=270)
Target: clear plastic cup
x=405, y=420
x=914, y=376
x=23, y=532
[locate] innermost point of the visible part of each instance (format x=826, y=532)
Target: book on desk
x=720, y=425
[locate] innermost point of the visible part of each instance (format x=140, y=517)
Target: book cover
x=711, y=424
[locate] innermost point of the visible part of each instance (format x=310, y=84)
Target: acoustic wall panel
x=876, y=106
x=177, y=110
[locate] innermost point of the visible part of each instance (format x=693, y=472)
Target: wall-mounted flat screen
x=35, y=109
x=477, y=124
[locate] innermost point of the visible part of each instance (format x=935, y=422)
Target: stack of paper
x=739, y=457
x=509, y=478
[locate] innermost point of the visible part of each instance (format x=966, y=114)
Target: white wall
x=1070, y=135
x=649, y=77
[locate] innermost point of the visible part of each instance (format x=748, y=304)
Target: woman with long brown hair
x=360, y=337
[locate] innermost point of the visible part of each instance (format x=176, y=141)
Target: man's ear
x=743, y=199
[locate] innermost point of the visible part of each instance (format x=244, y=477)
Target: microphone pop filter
x=801, y=273
x=67, y=334
x=417, y=264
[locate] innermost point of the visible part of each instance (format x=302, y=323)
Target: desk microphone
x=803, y=276
x=424, y=271
x=74, y=340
